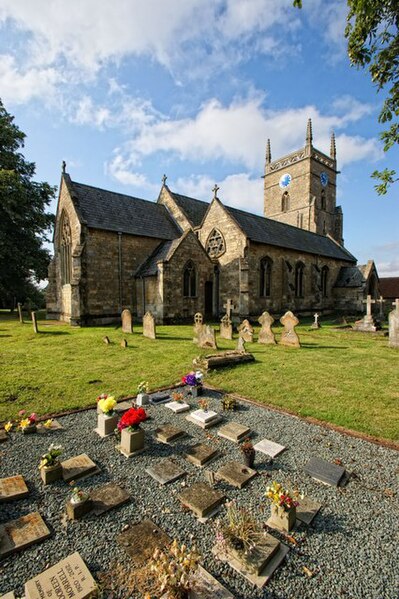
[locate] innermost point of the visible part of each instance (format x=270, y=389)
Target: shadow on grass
x=54, y=333
x=316, y=346
x=5, y=335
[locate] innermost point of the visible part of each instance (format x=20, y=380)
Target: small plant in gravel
x=203, y=404
x=238, y=530
x=107, y=405
x=229, y=403
x=282, y=498
x=132, y=419
x=50, y=458
x=177, y=396
x=173, y=568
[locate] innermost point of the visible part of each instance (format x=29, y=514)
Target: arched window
x=189, y=280
x=265, y=277
x=324, y=281
x=285, y=202
x=299, y=271
x=323, y=199
x=65, y=250
x=215, y=245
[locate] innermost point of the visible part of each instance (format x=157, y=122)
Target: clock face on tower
x=285, y=180
x=324, y=179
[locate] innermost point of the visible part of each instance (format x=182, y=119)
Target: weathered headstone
x=226, y=328
x=199, y=454
x=307, y=510
x=124, y=343
x=21, y=533
x=13, y=487
x=168, y=433
x=325, y=472
x=34, y=322
x=394, y=326
x=165, y=471
x=240, y=345
x=246, y=331
x=266, y=335
x=236, y=473
x=289, y=336
x=69, y=579
x=229, y=308
x=106, y=340
x=77, y=467
x=149, y=329
x=201, y=499
x=205, y=586
x=315, y=324
x=198, y=325
x=126, y=317
x=381, y=302
x=233, y=431
x=367, y=323
x=54, y=427
x=269, y=448
x=108, y=497
x=206, y=337
x=20, y=315
x=140, y=541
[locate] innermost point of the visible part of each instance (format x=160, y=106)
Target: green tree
x=24, y=222
x=373, y=43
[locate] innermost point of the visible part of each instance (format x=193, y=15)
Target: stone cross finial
x=309, y=134
x=63, y=166
x=368, y=301
x=164, y=179
x=396, y=304
x=215, y=191
x=268, y=152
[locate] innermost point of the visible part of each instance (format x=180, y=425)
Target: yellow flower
x=8, y=427
x=48, y=423
x=24, y=423
x=107, y=405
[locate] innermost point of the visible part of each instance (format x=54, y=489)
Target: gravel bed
x=351, y=547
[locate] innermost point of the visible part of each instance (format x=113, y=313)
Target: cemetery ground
x=349, y=549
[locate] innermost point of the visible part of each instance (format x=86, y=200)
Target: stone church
x=179, y=255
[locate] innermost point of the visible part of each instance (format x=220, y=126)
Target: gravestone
x=315, y=324
x=381, y=302
x=20, y=315
x=177, y=406
x=200, y=454
x=126, y=317
x=13, y=487
x=367, y=323
x=9, y=595
x=149, y=329
x=204, y=419
x=233, y=431
x=266, y=335
x=206, y=337
x=167, y=433
x=165, y=471
x=108, y=497
x=289, y=336
x=226, y=328
x=206, y=586
x=106, y=340
x=246, y=331
x=307, y=510
x=34, y=322
x=124, y=343
x=78, y=467
x=198, y=325
x=229, y=308
x=236, y=473
x=69, y=579
x=240, y=345
x=201, y=499
x=21, y=533
x=140, y=541
x=55, y=426
x=394, y=326
x=159, y=398
x=269, y=448
x=325, y=472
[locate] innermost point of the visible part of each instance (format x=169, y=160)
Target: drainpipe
x=120, y=269
x=143, y=293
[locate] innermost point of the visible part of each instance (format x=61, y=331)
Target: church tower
x=300, y=189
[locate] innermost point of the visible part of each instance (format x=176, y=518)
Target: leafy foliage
x=24, y=222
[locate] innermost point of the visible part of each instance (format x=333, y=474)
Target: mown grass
x=345, y=378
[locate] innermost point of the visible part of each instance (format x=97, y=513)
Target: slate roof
x=162, y=252
x=389, y=287
x=195, y=210
x=110, y=211
x=350, y=276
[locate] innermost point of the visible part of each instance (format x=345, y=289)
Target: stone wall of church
x=282, y=296
x=174, y=210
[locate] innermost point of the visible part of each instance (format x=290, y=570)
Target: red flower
x=132, y=418
x=32, y=418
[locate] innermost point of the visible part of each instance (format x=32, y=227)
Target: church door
x=208, y=298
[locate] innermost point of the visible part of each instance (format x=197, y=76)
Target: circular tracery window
x=215, y=246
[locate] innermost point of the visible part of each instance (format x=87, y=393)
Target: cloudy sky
x=128, y=90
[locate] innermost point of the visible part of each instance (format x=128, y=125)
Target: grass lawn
x=345, y=378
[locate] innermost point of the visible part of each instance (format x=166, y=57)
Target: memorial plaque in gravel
x=9, y=595
x=199, y=454
x=204, y=419
x=55, y=426
x=123, y=406
x=159, y=398
x=205, y=586
x=177, y=406
x=140, y=541
x=3, y=436
x=78, y=467
x=233, y=431
x=69, y=579
x=167, y=433
x=325, y=472
x=165, y=471
x=201, y=499
x=107, y=497
x=307, y=510
x=19, y=534
x=236, y=473
x=13, y=487
x=269, y=448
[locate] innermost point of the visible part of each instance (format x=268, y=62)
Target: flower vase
x=249, y=459
x=196, y=391
x=283, y=519
x=31, y=428
x=49, y=474
x=106, y=424
x=142, y=399
x=132, y=441
x=78, y=509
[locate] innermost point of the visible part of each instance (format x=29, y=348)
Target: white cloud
x=389, y=268
x=20, y=86
x=122, y=170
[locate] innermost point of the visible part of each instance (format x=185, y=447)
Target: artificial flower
x=107, y=405
x=132, y=418
x=8, y=426
x=48, y=423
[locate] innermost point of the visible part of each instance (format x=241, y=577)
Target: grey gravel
x=351, y=547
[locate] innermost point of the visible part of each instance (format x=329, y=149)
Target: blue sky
x=128, y=90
